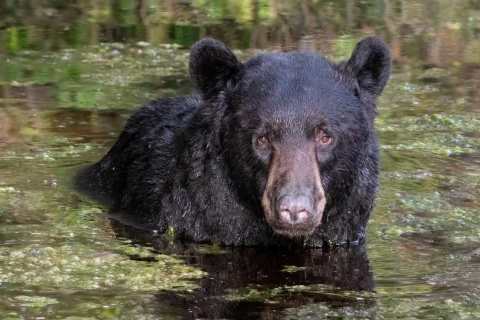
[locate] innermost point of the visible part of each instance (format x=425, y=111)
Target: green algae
x=77, y=267
x=259, y=293
x=53, y=242
x=444, y=203
x=313, y=310
x=443, y=121
x=34, y=301
x=75, y=253
x=292, y=269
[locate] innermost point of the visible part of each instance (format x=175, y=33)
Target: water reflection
x=437, y=32
x=254, y=282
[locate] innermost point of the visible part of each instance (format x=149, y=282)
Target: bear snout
x=293, y=200
x=293, y=209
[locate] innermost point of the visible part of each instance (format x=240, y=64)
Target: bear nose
x=294, y=209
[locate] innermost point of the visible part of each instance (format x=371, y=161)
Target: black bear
x=279, y=150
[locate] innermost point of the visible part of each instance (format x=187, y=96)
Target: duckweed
x=260, y=293
x=292, y=269
x=78, y=267
x=34, y=301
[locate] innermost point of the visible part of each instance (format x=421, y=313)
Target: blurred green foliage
x=52, y=24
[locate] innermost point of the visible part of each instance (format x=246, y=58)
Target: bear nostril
x=290, y=217
x=301, y=216
x=285, y=216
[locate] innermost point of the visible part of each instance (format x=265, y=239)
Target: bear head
x=295, y=130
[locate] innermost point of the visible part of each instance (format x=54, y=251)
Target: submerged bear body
x=278, y=150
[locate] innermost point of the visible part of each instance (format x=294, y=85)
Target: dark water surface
x=71, y=72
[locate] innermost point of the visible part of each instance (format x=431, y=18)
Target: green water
x=72, y=72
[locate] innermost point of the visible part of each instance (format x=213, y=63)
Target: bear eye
x=323, y=138
x=262, y=139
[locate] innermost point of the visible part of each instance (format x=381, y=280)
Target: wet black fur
x=188, y=162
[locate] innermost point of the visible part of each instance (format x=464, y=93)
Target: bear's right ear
x=212, y=65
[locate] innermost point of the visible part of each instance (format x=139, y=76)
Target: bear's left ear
x=212, y=66
x=369, y=66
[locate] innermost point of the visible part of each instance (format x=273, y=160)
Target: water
x=70, y=75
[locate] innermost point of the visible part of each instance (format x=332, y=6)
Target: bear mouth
x=294, y=230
